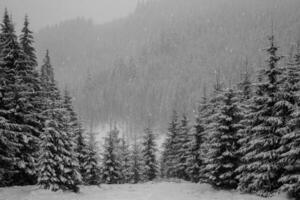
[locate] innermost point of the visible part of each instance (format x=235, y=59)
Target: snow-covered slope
x=149, y=191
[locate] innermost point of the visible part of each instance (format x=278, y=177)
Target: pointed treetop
x=26, y=22
x=26, y=42
x=7, y=26
x=47, y=70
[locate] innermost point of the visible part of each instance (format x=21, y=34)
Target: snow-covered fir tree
x=82, y=151
x=8, y=138
x=168, y=158
x=150, y=170
x=182, y=146
x=222, y=159
x=111, y=169
x=125, y=161
x=91, y=170
x=58, y=164
x=195, y=160
x=290, y=141
x=211, y=108
x=26, y=42
x=81, y=148
x=260, y=169
x=136, y=163
x=20, y=105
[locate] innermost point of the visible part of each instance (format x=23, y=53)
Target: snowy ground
x=149, y=191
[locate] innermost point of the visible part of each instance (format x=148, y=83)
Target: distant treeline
x=157, y=58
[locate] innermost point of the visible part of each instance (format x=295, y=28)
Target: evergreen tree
x=222, y=159
x=136, y=166
x=168, y=158
x=149, y=156
x=21, y=103
x=260, y=169
x=111, y=172
x=182, y=146
x=290, y=142
x=8, y=138
x=83, y=152
x=211, y=108
x=58, y=165
x=195, y=161
x=125, y=161
x=81, y=148
x=26, y=42
x=91, y=170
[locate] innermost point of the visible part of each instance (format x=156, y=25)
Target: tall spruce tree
x=222, y=159
x=21, y=102
x=290, y=142
x=91, y=169
x=149, y=156
x=260, y=170
x=125, y=161
x=82, y=151
x=8, y=138
x=195, y=161
x=211, y=108
x=111, y=170
x=81, y=148
x=136, y=166
x=58, y=164
x=168, y=158
x=26, y=43
x=182, y=146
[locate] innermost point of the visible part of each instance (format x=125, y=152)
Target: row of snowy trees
x=41, y=139
x=246, y=137
x=124, y=163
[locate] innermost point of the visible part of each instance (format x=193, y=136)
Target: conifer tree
x=91, y=170
x=111, y=172
x=136, y=166
x=58, y=164
x=195, y=161
x=125, y=161
x=260, y=170
x=182, y=146
x=81, y=148
x=290, y=141
x=168, y=158
x=211, y=108
x=149, y=156
x=222, y=159
x=8, y=138
x=21, y=102
x=26, y=42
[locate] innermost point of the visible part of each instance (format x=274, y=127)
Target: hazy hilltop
x=137, y=69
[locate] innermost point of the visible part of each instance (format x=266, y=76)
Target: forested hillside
x=137, y=69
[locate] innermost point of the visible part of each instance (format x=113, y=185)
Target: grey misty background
x=138, y=68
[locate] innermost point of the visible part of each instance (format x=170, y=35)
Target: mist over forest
x=136, y=70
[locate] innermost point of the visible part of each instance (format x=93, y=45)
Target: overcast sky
x=49, y=12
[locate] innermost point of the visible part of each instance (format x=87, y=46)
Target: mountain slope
x=137, y=69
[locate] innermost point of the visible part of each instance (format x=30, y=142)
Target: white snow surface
x=147, y=191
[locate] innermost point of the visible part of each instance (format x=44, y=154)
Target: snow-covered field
x=148, y=191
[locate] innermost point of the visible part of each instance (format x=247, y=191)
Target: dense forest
x=244, y=136
x=142, y=66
